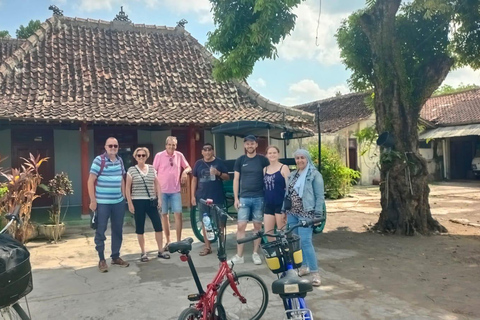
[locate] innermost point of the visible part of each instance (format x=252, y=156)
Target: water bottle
x=208, y=226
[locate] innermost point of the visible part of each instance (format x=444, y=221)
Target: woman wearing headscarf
x=304, y=200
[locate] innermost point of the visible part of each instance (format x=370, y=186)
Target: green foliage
x=247, y=31
x=57, y=188
x=25, y=32
x=422, y=41
x=366, y=137
x=337, y=178
x=446, y=89
x=4, y=34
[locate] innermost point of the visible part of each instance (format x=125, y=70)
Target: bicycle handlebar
x=259, y=234
x=14, y=215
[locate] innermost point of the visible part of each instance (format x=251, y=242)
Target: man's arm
x=194, y=188
x=236, y=187
x=91, y=191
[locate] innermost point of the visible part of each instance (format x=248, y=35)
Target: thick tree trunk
x=404, y=187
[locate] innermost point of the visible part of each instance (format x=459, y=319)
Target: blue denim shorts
x=250, y=209
x=172, y=201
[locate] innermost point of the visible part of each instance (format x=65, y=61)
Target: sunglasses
x=207, y=149
x=112, y=146
x=141, y=155
x=171, y=162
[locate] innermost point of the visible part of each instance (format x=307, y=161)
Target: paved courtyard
x=365, y=275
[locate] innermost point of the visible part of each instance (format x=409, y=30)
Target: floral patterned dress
x=297, y=203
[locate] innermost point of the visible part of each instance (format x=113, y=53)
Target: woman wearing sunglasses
x=144, y=198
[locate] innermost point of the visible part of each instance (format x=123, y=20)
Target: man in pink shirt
x=169, y=165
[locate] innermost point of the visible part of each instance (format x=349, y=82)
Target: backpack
x=15, y=271
x=103, y=160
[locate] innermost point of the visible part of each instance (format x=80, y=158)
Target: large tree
x=403, y=53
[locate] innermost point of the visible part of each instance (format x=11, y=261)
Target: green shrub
x=337, y=178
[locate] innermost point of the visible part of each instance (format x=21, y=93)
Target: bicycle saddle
x=183, y=246
x=291, y=284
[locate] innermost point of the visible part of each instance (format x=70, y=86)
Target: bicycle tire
x=197, y=224
x=189, y=314
x=13, y=312
x=219, y=312
x=230, y=302
x=296, y=304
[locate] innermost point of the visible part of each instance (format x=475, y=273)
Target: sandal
x=205, y=251
x=144, y=257
x=165, y=248
x=163, y=255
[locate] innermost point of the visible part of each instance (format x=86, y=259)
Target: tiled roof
x=97, y=71
x=453, y=109
x=339, y=112
x=8, y=47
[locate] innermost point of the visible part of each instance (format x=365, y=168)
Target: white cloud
x=463, y=75
x=307, y=90
x=201, y=8
x=301, y=44
x=258, y=83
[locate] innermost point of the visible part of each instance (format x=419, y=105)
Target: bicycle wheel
x=253, y=289
x=296, y=309
x=197, y=224
x=14, y=312
x=190, y=314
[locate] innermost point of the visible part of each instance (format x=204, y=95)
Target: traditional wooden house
x=455, y=141
x=75, y=82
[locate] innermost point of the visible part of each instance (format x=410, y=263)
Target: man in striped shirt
x=106, y=189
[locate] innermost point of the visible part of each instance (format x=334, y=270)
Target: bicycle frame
x=207, y=299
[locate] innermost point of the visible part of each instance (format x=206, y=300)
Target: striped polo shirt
x=138, y=186
x=109, y=184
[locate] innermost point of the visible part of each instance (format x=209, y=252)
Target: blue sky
x=306, y=69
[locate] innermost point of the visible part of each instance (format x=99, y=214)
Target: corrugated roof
x=449, y=132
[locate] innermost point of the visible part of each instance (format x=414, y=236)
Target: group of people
x=265, y=192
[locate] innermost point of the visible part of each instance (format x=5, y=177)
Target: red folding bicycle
x=230, y=295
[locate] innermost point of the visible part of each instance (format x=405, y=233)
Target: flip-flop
x=163, y=255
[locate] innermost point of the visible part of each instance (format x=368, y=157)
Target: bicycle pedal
x=193, y=297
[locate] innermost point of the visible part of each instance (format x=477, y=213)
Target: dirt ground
x=439, y=272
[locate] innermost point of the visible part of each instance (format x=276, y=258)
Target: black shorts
x=272, y=208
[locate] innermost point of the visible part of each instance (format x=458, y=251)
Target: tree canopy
x=446, y=89
x=4, y=34
x=25, y=32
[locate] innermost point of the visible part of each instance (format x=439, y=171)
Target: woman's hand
x=159, y=203
x=131, y=208
x=194, y=201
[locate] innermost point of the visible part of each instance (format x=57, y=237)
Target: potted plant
x=57, y=188
x=21, y=190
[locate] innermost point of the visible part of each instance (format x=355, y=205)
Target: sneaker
x=256, y=258
x=120, y=262
x=316, y=281
x=236, y=260
x=303, y=271
x=102, y=266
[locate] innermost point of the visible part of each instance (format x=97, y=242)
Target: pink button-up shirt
x=169, y=168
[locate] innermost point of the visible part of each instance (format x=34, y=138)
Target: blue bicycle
x=283, y=256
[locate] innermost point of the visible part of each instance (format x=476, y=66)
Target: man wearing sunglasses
x=172, y=169
x=207, y=183
x=106, y=189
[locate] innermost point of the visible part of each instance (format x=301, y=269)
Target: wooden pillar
x=84, y=166
x=192, y=153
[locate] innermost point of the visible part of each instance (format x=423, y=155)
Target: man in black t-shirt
x=207, y=183
x=248, y=194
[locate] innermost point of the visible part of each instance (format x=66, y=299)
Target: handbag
x=153, y=201
x=93, y=220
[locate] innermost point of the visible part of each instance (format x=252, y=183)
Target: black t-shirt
x=251, y=175
x=206, y=188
